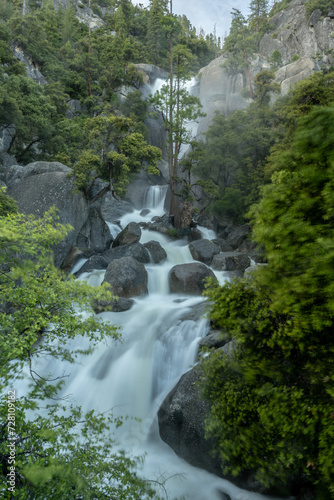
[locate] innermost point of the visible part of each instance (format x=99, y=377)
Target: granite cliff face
x=311, y=40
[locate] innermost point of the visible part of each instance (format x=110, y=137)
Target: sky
x=207, y=13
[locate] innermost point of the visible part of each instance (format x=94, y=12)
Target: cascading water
x=133, y=377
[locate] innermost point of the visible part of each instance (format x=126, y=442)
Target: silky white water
x=132, y=378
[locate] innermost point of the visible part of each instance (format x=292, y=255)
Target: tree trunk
x=174, y=204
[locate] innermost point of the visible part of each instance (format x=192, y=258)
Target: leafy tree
x=272, y=400
x=61, y=453
x=114, y=150
x=7, y=204
x=24, y=104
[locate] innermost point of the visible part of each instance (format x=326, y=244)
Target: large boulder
x=203, y=250
x=112, y=210
x=236, y=237
x=94, y=235
x=136, y=250
x=127, y=277
x=157, y=253
x=181, y=420
x=223, y=244
x=230, y=261
x=93, y=263
x=39, y=186
x=189, y=278
x=130, y=234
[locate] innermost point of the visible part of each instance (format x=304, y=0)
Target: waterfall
x=24, y=8
x=154, y=197
x=133, y=377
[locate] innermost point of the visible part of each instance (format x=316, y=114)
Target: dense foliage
x=59, y=452
x=237, y=156
x=272, y=400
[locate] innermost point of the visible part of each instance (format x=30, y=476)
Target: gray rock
x=224, y=496
x=43, y=185
x=137, y=251
x=189, y=278
x=112, y=209
x=157, y=253
x=224, y=245
x=145, y=211
x=238, y=235
x=127, y=277
x=32, y=68
x=196, y=312
x=95, y=234
x=294, y=72
x=205, y=221
x=72, y=258
x=246, y=246
x=95, y=262
x=203, y=250
x=119, y=304
x=16, y=173
x=314, y=17
x=181, y=420
x=230, y=261
x=213, y=339
x=130, y=234
x=160, y=224
x=151, y=72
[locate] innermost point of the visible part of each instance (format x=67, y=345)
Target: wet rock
x=181, y=420
x=213, y=340
x=203, y=250
x=119, y=304
x=136, y=250
x=145, y=211
x=72, y=258
x=224, y=496
x=196, y=312
x=94, y=262
x=94, y=235
x=223, y=244
x=130, y=234
x=157, y=253
x=246, y=246
x=127, y=277
x=162, y=224
x=112, y=209
x=189, y=278
x=230, y=261
x=238, y=235
x=194, y=234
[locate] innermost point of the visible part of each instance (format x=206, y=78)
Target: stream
x=133, y=377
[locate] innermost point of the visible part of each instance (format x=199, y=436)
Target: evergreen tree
x=156, y=34
x=240, y=45
x=259, y=13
